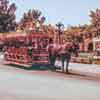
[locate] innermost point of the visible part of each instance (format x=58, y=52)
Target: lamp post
x=60, y=28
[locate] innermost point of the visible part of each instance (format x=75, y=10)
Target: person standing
x=52, y=54
x=65, y=55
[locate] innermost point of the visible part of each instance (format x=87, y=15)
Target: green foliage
x=7, y=16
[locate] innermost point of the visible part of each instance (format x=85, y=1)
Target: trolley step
x=19, y=64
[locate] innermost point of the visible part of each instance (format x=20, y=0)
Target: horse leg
x=67, y=63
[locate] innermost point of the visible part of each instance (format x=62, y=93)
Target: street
x=49, y=50
x=21, y=84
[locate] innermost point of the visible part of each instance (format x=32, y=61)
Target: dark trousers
x=52, y=59
x=65, y=58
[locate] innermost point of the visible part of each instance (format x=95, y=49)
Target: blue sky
x=69, y=12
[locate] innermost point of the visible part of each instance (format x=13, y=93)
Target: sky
x=69, y=12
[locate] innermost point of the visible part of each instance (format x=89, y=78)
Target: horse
x=61, y=53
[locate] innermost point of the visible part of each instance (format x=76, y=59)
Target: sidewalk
x=90, y=70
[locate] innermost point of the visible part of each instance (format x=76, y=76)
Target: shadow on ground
x=33, y=67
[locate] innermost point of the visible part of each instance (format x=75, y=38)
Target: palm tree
x=95, y=19
x=36, y=14
x=32, y=16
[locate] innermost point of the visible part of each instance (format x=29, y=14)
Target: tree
x=7, y=16
x=95, y=19
x=36, y=14
x=32, y=19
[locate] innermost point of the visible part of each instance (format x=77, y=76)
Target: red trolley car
x=26, y=49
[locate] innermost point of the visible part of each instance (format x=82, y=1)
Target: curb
x=83, y=73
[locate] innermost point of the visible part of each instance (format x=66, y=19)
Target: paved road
x=20, y=84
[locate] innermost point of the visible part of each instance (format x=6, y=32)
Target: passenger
x=30, y=50
x=4, y=48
